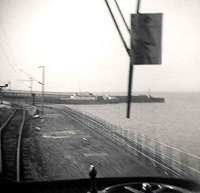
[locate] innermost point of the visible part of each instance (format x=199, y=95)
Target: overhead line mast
x=130, y=79
x=126, y=48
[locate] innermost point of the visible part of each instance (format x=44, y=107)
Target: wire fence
x=181, y=163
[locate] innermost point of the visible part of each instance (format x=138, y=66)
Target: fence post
x=141, y=143
x=184, y=163
x=133, y=138
x=126, y=133
x=138, y=142
x=170, y=156
x=157, y=152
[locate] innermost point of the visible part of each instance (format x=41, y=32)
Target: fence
x=182, y=164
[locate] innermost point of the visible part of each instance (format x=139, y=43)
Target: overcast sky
x=79, y=45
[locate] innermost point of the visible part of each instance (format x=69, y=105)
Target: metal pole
x=117, y=27
x=129, y=98
x=131, y=66
x=1, y=95
x=1, y=92
x=122, y=16
x=31, y=84
x=138, y=6
x=43, y=84
x=31, y=90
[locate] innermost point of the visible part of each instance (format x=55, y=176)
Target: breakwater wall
x=28, y=98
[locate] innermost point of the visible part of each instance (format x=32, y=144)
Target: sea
x=175, y=122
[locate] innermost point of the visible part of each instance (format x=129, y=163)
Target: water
x=176, y=122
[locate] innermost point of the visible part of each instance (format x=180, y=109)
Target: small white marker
x=154, y=164
x=37, y=129
x=84, y=138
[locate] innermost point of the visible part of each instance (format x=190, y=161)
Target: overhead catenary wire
x=7, y=58
x=4, y=40
x=27, y=74
x=4, y=45
x=7, y=44
x=14, y=66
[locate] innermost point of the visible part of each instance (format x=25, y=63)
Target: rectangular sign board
x=146, y=38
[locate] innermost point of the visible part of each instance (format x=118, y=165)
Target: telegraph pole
x=31, y=84
x=31, y=91
x=42, y=88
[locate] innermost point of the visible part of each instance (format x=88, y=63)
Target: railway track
x=12, y=151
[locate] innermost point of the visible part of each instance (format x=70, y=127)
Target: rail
x=19, y=144
x=11, y=143
x=1, y=129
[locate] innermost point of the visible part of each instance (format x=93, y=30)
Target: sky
x=81, y=50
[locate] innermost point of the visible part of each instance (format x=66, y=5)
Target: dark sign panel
x=146, y=36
